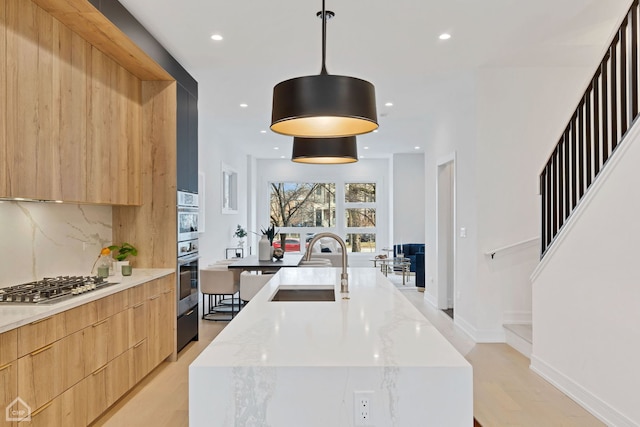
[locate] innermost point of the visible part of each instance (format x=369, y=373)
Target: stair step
x=520, y=337
x=523, y=331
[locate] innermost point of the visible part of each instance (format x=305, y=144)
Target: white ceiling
x=392, y=44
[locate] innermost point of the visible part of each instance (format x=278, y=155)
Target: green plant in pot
x=270, y=233
x=240, y=233
x=121, y=253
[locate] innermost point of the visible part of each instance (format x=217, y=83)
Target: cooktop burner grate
x=51, y=289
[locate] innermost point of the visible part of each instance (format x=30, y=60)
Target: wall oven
x=188, y=271
x=187, y=223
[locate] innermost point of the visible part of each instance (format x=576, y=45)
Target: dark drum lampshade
x=324, y=105
x=325, y=150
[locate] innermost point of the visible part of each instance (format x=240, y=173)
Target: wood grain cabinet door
x=8, y=388
x=49, y=371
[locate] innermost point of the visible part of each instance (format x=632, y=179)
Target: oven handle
x=188, y=259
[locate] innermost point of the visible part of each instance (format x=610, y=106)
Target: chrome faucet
x=344, y=278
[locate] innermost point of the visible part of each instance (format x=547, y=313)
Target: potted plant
x=265, y=245
x=270, y=233
x=240, y=233
x=121, y=253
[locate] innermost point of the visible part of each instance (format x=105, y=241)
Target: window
x=296, y=204
x=360, y=216
x=301, y=209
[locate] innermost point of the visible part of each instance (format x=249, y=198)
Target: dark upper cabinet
x=187, y=138
x=193, y=143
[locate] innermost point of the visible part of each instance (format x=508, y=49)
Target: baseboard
x=479, y=335
x=431, y=299
x=597, y=407
x=517, y=317
x=518, y=343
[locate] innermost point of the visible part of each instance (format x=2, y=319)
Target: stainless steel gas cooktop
x=51, y=289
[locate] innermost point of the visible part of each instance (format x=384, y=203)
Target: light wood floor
x=506, y=391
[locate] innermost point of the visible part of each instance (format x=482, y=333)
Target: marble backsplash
x=49, y=239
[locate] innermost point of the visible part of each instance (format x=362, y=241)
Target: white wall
x=521, y=114
x=49, y=239
x=586, y=294
x=408, y=198
x=214, y=150
x=505, y=130
x=453, y=135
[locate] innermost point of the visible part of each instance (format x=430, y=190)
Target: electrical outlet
x=362, y=405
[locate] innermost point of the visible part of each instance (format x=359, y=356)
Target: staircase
x=605, y=113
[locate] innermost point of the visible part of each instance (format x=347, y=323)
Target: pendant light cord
x=324, y=40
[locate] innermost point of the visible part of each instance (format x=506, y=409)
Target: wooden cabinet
x=140, y=361
x=108, y=384
x=8, y=372
x=73, y=116
x=161, y=320
x=67, y=410
x=48, y=371
x=72, y=366
x=39, y=334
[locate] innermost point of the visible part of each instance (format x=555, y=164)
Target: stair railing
x=599, y=124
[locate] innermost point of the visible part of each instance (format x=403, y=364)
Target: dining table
x=252, y=263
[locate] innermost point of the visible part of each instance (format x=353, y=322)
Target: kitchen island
x=307, y=363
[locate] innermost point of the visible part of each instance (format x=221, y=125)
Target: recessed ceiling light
x=416, y=148
x=375, y=131
x=361, y=157
x=282, y=157
x=263, y=131
x=445, y=36
x=366, y=148
x=276, y=148
x=389, y=104
x=216, y=37
x=243, y=105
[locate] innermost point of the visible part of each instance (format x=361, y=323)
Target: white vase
x=264, y=249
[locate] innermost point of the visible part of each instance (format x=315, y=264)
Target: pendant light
x=325, y=150
x=324, y=105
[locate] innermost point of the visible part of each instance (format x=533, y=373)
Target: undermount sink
x=304, y=294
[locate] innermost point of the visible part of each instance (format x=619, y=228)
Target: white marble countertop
x=14, y=316
x=291, y=364
x=377, y=326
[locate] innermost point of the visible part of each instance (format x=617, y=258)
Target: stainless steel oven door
x=187, y=224
x=187, y=283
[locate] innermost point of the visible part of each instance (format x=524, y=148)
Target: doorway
x=445, y=251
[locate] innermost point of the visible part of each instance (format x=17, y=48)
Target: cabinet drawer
x=66, y=410
x=138, y=323
x=108, y=306
x=138, y=294
x=39, y=334
x=96, y=343
x=140, y=363
x=46, y=372
x=8, y=346
x=79, y=318
x=118, y=341
x=108, y=384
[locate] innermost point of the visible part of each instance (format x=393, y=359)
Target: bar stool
x=218, y=282
x=250, y=284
